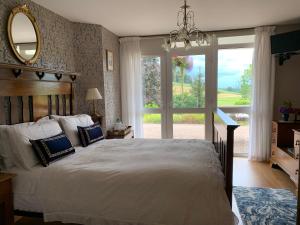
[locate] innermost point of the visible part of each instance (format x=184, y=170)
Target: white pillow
x=6, y=155
x=57, y=117
x=19, y=136
x=70, y=123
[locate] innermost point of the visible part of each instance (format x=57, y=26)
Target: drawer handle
x=297, y=142
x=297, y=172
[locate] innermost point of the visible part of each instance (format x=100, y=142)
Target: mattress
x=129, y=182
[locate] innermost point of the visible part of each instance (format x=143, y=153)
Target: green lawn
x=225, y=98
x=177, y=118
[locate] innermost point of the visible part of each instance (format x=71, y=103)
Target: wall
x=287, y=78
x=111, y=79
x=88, y=60
x=57, y=37
x=74, y=47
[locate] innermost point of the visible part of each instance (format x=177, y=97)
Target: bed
x=124, y=182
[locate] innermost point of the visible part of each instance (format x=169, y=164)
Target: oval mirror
x=24, y=35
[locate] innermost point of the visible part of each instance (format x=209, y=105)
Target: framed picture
x=109, y=60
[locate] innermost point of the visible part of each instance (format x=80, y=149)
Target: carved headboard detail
x=29, y=93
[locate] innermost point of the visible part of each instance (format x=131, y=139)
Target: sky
x=231, y=66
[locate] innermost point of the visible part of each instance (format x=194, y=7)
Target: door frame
x=206, y=51
x=152, y=46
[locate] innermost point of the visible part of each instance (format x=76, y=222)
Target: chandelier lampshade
x=186, y=31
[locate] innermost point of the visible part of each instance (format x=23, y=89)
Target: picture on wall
x=109, y=60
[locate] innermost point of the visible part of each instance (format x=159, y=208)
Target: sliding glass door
x=186, y=95
x=174, y=95
x=152, y=91
x=182, y=87
x=235, y=56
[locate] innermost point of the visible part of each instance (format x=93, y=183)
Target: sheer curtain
x=131, y=84
x=262, y=96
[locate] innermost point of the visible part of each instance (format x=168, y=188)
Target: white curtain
x=262, y=96
x=131, y=84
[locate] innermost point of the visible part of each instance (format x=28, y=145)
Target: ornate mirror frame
x=26, y=11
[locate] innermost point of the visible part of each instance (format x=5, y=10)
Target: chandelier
x=186, y=32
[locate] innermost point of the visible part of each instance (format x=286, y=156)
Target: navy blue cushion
x=90, y=134
x=53, y=148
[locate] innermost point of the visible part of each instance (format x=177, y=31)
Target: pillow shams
x=70, y=124
x=53, y=148
x=18, y=140
x=90, y=134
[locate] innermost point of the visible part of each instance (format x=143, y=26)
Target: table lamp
x=92, y=95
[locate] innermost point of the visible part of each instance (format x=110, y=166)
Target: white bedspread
x=136, y=182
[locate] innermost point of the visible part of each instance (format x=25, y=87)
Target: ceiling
x=150, y=17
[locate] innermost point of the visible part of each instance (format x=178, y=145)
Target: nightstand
x=6, y=199
x=125, y=134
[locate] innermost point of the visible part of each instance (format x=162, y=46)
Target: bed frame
x=27, y=94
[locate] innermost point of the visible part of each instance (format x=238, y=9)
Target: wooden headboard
x=29, y=93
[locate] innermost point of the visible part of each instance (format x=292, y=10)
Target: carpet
x=266, y=206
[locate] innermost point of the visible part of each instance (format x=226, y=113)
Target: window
x=188, y=81
x=234, y=77
x=152, y=126
x=151, y=71
x=180, y=87
x=152, y=81
x=234, y=91
x=246, y=39
x=189, y=126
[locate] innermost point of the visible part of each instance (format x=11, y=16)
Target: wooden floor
x=256, y=174
x=246, y=173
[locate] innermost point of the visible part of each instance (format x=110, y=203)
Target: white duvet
x=136, y=182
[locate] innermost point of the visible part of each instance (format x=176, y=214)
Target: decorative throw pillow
x=90, y=134
x=53, y=148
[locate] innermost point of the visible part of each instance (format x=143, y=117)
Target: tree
x=181, y=63
x=246, y=83
x=198, y=91
x=151, y=81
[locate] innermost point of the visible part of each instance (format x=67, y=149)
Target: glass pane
x=241, y=137
x=234, y=76
x=246, y=39
x=151, y=72
x=189, y=126
x=152, y=125
x=188, y=81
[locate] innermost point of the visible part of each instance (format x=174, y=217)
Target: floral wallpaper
x=74, y=47
x=56, y=35
x=111, y=78
x=88, y=58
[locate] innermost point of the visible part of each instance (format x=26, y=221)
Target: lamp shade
x=93, y=94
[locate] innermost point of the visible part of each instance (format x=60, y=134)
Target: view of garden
x=234, y=86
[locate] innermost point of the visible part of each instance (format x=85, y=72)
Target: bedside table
x=6, y=199
x=127, y=134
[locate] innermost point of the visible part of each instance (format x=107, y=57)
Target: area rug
x=267, y=206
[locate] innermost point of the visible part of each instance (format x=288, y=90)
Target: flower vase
x=285, y=116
